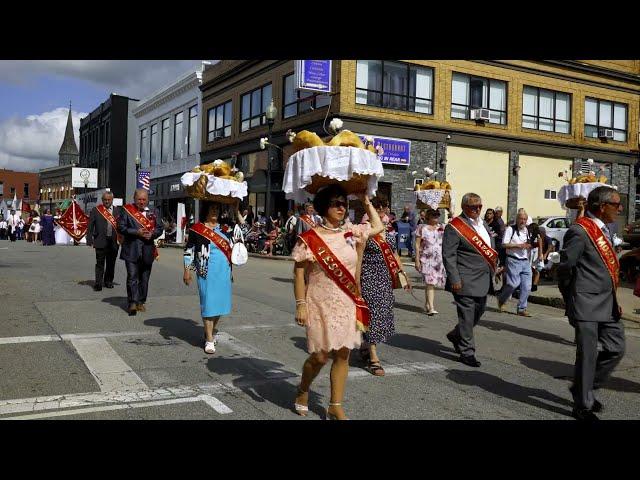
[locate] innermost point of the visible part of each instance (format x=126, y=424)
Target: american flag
x=143, y=179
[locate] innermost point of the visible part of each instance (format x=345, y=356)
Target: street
x=67, y=352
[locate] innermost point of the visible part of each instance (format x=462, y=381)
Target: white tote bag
x=239, y=255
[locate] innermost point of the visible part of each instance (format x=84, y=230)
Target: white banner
x=79, y=175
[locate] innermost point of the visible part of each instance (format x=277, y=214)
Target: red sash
x=217, y=240
x=389, y=259
x=472, y=237
x=603, y=247
x=337, y=272
x=111, y=219
x=147, y=224
x=308, y=220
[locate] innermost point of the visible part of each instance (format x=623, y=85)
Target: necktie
x=109, y=227
x=605, y=230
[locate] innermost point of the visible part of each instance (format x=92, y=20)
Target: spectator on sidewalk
x=3, y=228
x=290, y=231
x=497, y=225
x=409, y=216
x=518, y=244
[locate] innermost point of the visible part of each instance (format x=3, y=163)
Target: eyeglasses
x=474, y=207
x=337, y=204
x=615, y=204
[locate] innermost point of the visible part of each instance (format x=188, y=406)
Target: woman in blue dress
x=208, y=253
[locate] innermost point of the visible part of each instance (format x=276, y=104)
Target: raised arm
x=376, y=224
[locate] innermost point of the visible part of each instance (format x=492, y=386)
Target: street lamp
x=138, y=163
x=49, y=191
x=270, y=114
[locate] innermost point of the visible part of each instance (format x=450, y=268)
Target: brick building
x=503, y=129
x=24, y=185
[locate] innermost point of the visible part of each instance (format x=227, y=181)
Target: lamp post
x=138, y=163
x=86, y=183
x=270, y=114
x=49, y=191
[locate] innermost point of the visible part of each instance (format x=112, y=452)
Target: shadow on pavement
x=87, y=283
x=354, y=359
x=121, y=302
x=421, y=344
x=264, y=380
x=564, y=371
x=410, y=308
x=511, y=391
x=282, y=280
x=547, y=337
x=183, y=328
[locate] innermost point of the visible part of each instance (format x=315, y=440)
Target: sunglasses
x=474, y=207
x=337, y=204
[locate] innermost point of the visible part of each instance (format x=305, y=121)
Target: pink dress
x=331, y=321
x=431, y=266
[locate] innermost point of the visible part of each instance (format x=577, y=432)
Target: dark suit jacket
x=97, y=233
x=463, y=263
x=134, y=247
x=584, y=280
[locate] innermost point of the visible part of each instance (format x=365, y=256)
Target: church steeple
x=68, y=153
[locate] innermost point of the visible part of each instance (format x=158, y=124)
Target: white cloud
x=31, y=143
x=131, y=78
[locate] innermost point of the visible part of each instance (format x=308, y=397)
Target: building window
x=550, y=194
x=395, y=85
x=164, y=146
x=469, y=92
x=155, y=160
x=107, y=133
x=26, y=191
x=1, y=189
x=13, y=191
x=605, y=114
x=178, y=138
x=144, y=147
x=254, y=104
x=193, y=129
x=546, y=110
x=300, y=101
x=219, y=122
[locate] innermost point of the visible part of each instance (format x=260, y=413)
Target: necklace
x=210, y=225
x=339, y=229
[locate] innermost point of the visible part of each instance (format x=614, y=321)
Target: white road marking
x=213, y=402
x=71, y=336
x=106, y=366
x=30, y=339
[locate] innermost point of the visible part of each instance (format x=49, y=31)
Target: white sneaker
x=209, y=347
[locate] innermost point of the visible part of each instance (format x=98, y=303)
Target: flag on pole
x=143, y=179
x=14, y=204
x=25, y=207
x=74, y=221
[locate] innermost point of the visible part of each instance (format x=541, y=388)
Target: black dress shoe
x=597, y=407
x=584, y=415
x=455, y=341
x=97, y=288
x=108, y=285
x=470, y=360
x=133, y=309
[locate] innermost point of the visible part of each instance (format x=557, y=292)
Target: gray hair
x=107, y=193
x=522, y=211
x=498, y=209
x=469, y=196
x=139, y=191
x=598, y=196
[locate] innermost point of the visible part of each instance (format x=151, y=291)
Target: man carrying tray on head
x=470, y=260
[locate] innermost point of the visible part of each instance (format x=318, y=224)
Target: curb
x=558, y=302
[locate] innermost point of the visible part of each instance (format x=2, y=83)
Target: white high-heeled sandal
x=301, y=410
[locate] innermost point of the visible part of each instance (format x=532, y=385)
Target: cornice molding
x=168, y=94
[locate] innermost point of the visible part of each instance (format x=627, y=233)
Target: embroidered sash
x=389, y=259
x=603, y=247
x=112, y=220
x=474, y=239
x=213, y=237
x=308, y=220
x=144, y=222
x=337, y=272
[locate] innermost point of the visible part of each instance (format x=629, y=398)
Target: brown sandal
x=375, y=368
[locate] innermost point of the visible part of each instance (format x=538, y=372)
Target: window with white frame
x=396, y=85
x=155, y=159
x=300, y=101
x=178, y=136
x=164, y=149
x=550, y=194
x=219, y=122
x=253, y=106
x=546, y=110
x=469, y=92
x=193, y=129
x=605, y=114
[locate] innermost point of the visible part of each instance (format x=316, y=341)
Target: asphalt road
x=67, y=352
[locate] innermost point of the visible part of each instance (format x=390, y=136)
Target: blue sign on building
x=314, y=75
x=396, y=150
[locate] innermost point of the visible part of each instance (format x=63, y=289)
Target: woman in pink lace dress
x=429, y=258
x=329, y=313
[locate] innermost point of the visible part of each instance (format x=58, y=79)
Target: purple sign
x=396, y=150
x=314, y=75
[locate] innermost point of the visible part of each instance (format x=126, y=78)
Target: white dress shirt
x=478, y=226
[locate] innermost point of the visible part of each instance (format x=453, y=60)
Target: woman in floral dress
x=429, y=259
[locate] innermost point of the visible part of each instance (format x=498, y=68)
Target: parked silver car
x=555, y=228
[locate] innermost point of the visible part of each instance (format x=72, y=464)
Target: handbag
x=239, y=254
x=402, y=281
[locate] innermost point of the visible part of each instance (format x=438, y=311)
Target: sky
x=35, y=96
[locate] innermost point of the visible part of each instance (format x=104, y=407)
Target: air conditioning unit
x=218, y=133
x=605, y=133
x=480, y=114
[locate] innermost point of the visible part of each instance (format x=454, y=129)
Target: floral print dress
x=431, y=266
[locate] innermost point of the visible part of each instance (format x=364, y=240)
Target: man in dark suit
x=140, y=227
x=588, y=286
x=468, y=274
x=103, y=237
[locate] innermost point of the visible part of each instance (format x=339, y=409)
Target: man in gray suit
x=592, y=307
x=468, y=276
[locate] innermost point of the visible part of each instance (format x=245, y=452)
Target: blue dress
x=214, y=279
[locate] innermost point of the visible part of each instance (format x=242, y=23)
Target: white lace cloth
x=339, y=163
x=577, y=190
x=433, y=197
x=217, y=186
